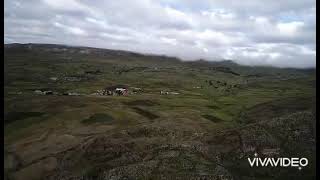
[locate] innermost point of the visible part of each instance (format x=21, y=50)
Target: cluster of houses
x=44, y=92
x=115, y=90
x=48, y=92
x=120, y=90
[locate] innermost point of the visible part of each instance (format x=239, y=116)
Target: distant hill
x=227, y=66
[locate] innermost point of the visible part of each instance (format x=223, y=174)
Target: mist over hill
x=102, y=51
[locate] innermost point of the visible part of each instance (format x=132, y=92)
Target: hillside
x=195, y=119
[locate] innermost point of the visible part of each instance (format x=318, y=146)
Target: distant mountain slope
x=227, y=66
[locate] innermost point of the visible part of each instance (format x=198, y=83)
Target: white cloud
x=280, y=33
x=97, y=22
x=170, y=41
x=65, y=5
x=72, y=30
x=290, y=28
x=116, y=37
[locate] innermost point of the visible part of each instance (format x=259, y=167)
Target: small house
x=44, y=92
x=164, y=92
x=120, y=90
x=136, y=90
x=53, y=78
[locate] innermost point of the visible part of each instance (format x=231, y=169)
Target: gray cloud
x=278, y=33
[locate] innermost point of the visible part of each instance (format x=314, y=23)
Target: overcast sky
x=253, y=32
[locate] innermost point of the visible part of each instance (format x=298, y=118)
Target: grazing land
x=179, y=120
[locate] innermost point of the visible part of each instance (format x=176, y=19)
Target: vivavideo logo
x=278, y=162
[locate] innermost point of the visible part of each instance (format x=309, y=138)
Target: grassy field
x=148, y=135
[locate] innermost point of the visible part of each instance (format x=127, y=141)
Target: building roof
x=112, y=88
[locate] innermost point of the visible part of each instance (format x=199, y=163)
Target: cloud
x=289, y=29
x=278, y=33
x=170, y=41
x=72, y=30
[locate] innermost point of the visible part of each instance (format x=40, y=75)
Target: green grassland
x=134, y=130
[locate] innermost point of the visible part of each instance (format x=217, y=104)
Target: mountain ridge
x=222, y=62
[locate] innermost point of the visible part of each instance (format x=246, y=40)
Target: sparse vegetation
x=16, y=116
x=98, y=118
x=206, y=131
x=212, y=118
x=145, y=113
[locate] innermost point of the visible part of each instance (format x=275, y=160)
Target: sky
x=279, y=33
